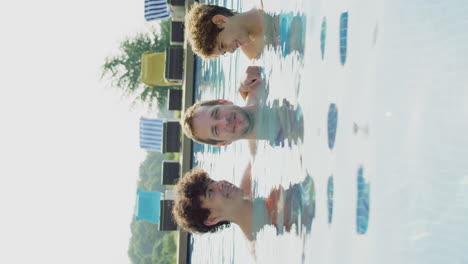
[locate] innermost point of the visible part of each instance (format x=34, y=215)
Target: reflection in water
x=360, y=128
x=285, y=32
x=285, y=209
x=209, y=76
x=343, y=36
x=323, y=36
x=332, y=123
x=276, y=123
x=362, y=211
x=330, y=199
x=375, y=35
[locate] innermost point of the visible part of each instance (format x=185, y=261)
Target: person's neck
x=252, y=110
x=243, y=217
x=251, y=21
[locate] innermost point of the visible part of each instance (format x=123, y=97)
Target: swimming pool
x=382, y=87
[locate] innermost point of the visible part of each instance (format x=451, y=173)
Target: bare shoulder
x=254, y=49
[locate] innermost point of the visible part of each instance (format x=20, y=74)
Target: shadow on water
x=280, y=124
x=286, y=209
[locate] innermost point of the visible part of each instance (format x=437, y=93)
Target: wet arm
x=248, y=89
x=246, y=182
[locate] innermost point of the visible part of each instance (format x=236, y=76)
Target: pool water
x=369, y=141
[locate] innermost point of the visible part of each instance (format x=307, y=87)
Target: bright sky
x=68, y=141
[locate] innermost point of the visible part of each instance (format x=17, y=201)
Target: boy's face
x=221, y=198
x=231, y=37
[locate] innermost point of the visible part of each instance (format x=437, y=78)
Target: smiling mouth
x=234, y=125
x=233, y=122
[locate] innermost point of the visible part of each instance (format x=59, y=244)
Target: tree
x=123, y=70
x=151, y=171
x=146, y=260
x=147, y=244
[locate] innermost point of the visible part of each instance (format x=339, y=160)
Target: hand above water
x=251, y=81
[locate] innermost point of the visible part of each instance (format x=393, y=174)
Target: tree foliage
x=124, y=69
x=147, y=244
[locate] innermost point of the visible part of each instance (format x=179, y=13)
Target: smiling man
x=215, y=30
x=219, y=122
x=204, y=205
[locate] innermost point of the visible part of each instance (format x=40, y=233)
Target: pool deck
x=186, y=149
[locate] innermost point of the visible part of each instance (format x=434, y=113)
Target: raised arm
x=246, y=182
x=248, y=88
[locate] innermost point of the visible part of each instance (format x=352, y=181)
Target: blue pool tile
x=330, y=198
x=362, y=210
x=343, y=37
x=332, y=123
x=323, y=36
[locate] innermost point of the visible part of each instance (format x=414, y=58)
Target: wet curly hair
x=187, y=210
x=201, y=31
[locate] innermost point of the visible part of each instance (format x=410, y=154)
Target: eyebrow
x=207, y=191
x=213, y=112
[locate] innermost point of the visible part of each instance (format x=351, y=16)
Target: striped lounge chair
x=151, y=134
x=157, y=10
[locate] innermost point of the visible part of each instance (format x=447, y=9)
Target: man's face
x=224, y=123
x=221, y=198
x=230, y=38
